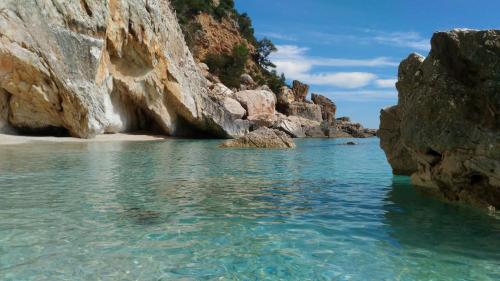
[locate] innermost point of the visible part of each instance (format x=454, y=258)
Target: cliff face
x=93, y=67
x=445, y=130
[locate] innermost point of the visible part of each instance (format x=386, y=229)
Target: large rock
x=284, y=98
x=445, y=129
x=262, y=138
x=257, y=102
x=328, y=107
x=305, y=110
x=300, y=90
x=247, y=83
x=234, y=108
x=397, y=154
x=93, y=67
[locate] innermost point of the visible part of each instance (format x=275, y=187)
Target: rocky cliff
x=89, y=67
x=445, y=130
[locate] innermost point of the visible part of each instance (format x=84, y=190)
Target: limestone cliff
x=445, y=130
x=90, y=67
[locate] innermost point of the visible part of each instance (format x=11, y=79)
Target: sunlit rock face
x=445, y=130
x=91, y=67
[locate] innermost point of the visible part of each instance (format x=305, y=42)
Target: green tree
x=264, y=48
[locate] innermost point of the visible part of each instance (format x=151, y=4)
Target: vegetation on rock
x=228, y=66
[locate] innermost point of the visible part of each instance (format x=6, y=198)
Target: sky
x=349, y=50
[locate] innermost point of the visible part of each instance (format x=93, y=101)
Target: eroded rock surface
x=445, y=130
x=328, y=107
x=300, y=90
x=305, y=110
x=262, y=138
x=93, y=67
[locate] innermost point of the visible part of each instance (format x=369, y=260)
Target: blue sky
x=349, y=50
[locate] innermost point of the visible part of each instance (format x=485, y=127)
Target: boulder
x=94, y=67
x=305, y=110
x=220, y=91
x=257, y=102
x=300, y=91
x=262, y=120
x=234, y=108
x=246, y=79
x=284, y=98
x=262, y=138
x=247, y=83
x=291, y=126
x=315, y=132
x=328, y=107
x=446, y=125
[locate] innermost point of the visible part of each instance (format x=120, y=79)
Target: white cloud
x=347, y=80
x=294, y=62
x=367, y=37
x=386, y=83
x=364, y=96
x=275, y=35
x=403, y=39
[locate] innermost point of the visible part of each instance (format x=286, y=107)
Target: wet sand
x=16, y=139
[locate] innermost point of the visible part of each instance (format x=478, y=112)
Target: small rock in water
x=262, y=138
x=351, y=143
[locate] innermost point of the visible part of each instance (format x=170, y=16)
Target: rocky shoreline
x=99, y=69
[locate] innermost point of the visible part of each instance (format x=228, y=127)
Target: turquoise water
x=187, y=210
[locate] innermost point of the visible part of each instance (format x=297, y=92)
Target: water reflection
x=439, y=237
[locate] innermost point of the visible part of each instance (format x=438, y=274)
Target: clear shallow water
x=184, y=209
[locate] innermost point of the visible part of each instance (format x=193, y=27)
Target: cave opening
x=187, y=130
x=49, y=131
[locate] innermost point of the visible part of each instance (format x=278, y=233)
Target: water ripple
x=183, y=209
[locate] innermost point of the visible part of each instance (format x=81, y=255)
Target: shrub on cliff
x=229, y=67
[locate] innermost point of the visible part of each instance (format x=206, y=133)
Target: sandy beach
x=17, y=139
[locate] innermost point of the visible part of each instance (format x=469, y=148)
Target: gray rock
x=445, y=129
x=291, y=127
x=261, y=138
x=305, y=110
x=246, y=79
x=94, y=67
x=234, y=108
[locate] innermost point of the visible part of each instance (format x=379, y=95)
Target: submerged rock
x=262, y=138
x=94, y=67
x=445, y=129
